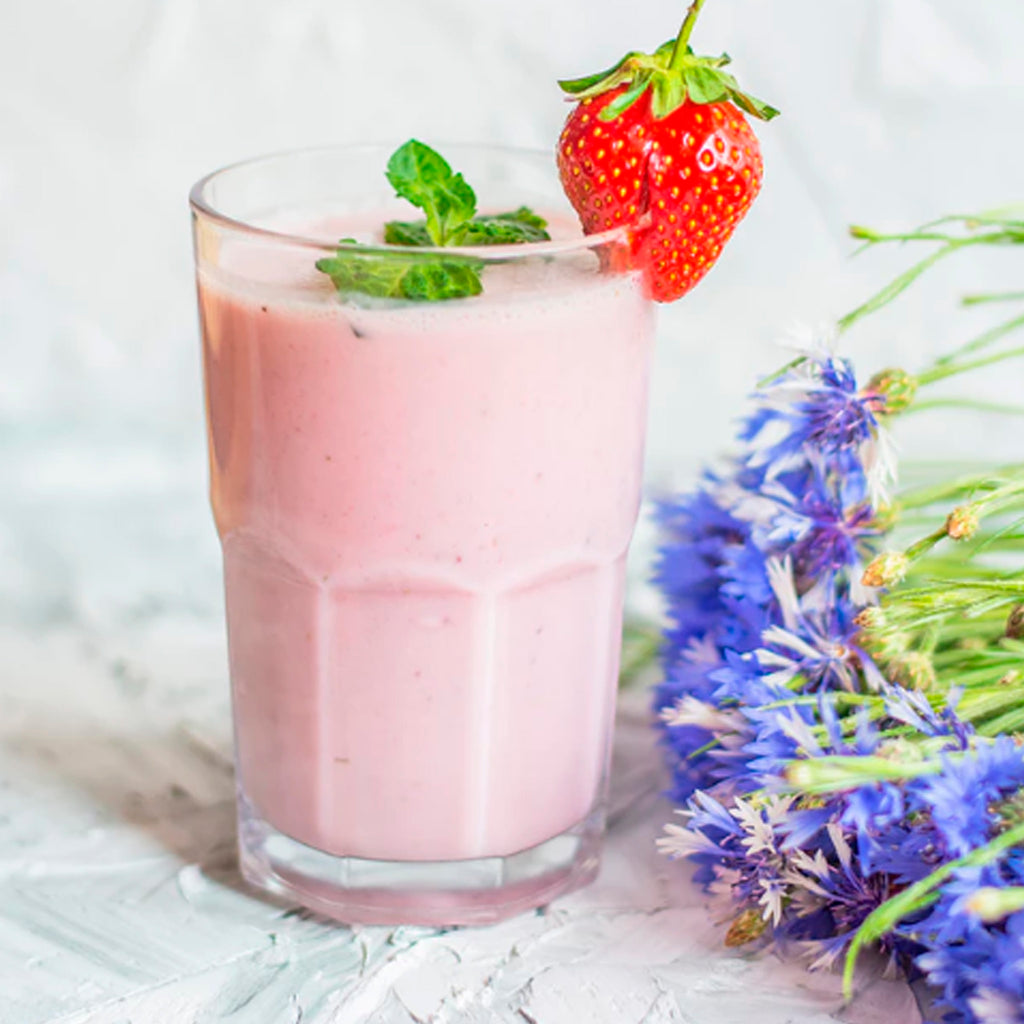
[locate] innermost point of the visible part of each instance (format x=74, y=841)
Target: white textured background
x=894, y=111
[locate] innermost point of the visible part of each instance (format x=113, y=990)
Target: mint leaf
x=421, y=175
x=426, y=278
x=444, y=279
x=526, y=216
x=406, y=232
x=511, y=228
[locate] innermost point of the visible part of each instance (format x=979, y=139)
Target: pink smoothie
x=424, y=511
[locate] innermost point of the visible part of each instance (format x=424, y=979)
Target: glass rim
x=200, y=205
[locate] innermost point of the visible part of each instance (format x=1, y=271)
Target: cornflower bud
x=972, y=643
x=1008, y=812
x=876, y=634
x=871, y=619
x=899, y=751
x=991, y=905
x=811, y=802
x=895, y=387
x=747, y=927
x=962, y=522
x=890, y=647
x=886, y=569
x=912, y=669
x=1015, y=623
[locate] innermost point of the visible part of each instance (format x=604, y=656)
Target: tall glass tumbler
x=424, y=510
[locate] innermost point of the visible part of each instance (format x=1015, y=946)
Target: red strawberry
x=659, y=141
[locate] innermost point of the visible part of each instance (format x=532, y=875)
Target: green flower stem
x=965, y=404
x=981, y=705
x=977, y=300
x=841, y=697
x=955, y=596
x=945, y=564
x=1001, y=495
x=836, y=773
x=871, y=237
x=641, y=642
x=951, y=369
x=908, y=277
x=1012, y=589
x=997, y=498
x=925, y=544
x=971, y=679
x=991, y=625
x=951, y=489
x=781, y=372
x=1008, y=217
x=919, y=619
x=904, y=733
x=710, y=745
x=983, y=340
x=1011, y=722
x=679, y=53
x=956, y=656
x=885, y=918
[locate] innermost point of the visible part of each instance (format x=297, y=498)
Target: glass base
x=355, y=890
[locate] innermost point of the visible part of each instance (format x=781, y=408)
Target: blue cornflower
x=836, y=415
x=814, y=643
x=738, y=851
x=904, y=852
x=911, y=707
x=842, y=895
x=961, y=796
x=981, y=973
x=871, y=812
x=759, y=568
x=700, y=534
x=743, y=576
x=825, y=525
x=819, y=406
x=879, y=814
x=742, y=680
x=783, y=734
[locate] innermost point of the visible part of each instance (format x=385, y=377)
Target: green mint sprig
x=423, y=177
x=426, y=278
x=511, y=228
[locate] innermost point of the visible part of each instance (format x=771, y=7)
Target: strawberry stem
x=679, y=50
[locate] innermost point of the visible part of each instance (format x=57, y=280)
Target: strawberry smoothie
x=424, y=510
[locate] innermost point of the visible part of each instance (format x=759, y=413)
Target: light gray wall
x=894, y=111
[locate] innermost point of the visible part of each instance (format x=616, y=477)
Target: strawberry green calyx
x=673, y=73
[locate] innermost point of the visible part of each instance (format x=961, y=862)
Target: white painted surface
x=118, y=898
x=120, y=902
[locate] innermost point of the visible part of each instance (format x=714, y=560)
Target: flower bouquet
x=841, y=703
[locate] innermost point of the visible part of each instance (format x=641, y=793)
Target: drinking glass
x=424, y=510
